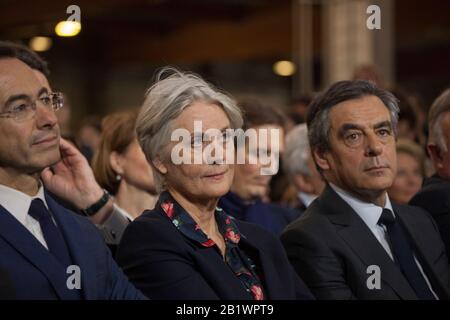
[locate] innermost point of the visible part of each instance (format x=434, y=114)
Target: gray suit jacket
x=112, y=229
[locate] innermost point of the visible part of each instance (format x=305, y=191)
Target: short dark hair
x=318, y=121
x=10, y=49
x=257, y=113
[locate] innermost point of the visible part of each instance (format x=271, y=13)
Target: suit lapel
x=422, y=252
x=363, y=243
x=28, y=246
x=76, y=242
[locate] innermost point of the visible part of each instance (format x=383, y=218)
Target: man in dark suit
x=352, y=242
x=435, y=194
x=48, y=252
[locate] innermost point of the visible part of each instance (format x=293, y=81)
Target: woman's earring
x=118, y=177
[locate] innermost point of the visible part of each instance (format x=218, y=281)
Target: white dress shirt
x=370, y=213
x=306, y=198
x=18, y=204
x=123, y=212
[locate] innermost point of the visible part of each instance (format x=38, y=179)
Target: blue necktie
x=52, y=235
x=404, y=255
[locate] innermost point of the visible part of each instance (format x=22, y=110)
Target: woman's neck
x=133, y=200
x=201, y=211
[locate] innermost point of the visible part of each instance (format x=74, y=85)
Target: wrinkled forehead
x=366, y=111
x=17, y=78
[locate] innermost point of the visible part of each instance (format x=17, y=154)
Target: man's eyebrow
x=349, y=126
x=382, y=124
x=43, y=90
x=23, y=96
x=20, y=96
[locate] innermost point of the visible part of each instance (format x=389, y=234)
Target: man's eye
x=384, y=132
x=352, y=137
x=46, y=100
x=20, y=108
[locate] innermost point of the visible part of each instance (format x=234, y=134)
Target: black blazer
x=6, y=286
x=435, y=198
x=332, y=247
x=165, y=264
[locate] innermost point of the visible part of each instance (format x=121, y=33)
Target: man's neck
x=369, y=196
x=26, y=183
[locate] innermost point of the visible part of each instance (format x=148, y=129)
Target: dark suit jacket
x=6, y=286
x=164, y=264
x=435, y=198
x=36, y=274
x=332, y=247
x=271, y=216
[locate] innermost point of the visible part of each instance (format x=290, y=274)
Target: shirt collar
x=18, y=203
x=306, y=198
x=124, y=213
x=370, y=213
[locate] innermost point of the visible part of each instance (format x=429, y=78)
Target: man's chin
x=50, y=159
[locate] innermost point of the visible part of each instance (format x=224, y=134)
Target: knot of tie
x=38, y=210
x=387, y=217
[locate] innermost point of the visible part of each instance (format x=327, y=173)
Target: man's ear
x=159, y=165
x=436, y=155
x=321, y=160
x=116, y=162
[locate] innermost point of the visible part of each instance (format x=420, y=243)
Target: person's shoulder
x=313, y=217
x=433, y=195
x=411, y=212
x=254, y=231
x=151, y=224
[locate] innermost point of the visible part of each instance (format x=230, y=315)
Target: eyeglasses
x=25, y=109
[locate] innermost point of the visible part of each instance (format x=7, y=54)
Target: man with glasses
x=46, y=251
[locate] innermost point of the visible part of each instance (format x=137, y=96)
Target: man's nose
x=45, y=116
x=374, y=146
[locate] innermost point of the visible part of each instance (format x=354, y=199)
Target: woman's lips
x=216, y=176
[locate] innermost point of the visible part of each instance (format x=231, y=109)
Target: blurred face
x=248, y=182
x=198, y=182
x=362, y=156
x=441, y=158
x=408, y=180
x=27, y=145
x=135, y=169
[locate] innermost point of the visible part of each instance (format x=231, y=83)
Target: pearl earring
x=118, y=177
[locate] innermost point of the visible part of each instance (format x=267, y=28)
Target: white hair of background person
x=297, y=152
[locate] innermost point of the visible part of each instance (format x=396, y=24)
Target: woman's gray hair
x=435, y=116
x=296, y=151
x=172, y=92
x=318, y=119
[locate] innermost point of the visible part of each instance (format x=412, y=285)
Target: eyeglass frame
x=56, y=104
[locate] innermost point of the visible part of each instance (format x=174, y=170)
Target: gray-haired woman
x=187, y=248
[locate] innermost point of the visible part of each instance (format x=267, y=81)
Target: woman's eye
x=196, y=141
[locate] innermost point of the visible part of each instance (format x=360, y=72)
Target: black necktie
x=404, y=255
x=52, y=235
